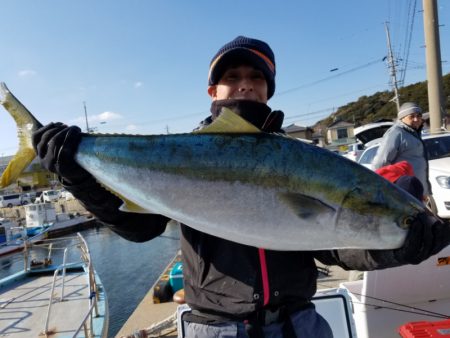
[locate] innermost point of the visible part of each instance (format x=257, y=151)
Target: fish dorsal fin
x=229, y=122
x=304, y=206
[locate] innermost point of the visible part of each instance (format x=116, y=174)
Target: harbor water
x=127, y=269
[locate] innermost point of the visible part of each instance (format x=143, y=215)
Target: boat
x=381, y=304
x=10, y=231
x=385, y=301
x=13, y=237
x=41, y=221
x=57, y=294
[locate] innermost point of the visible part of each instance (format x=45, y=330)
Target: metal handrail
x=93, y=295
x=62, y=266
x=87, y=333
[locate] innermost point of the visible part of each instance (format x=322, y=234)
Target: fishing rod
x=416, y=309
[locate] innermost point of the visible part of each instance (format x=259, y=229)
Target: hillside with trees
x=379, y=105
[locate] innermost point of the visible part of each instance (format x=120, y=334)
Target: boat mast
x=433, y=61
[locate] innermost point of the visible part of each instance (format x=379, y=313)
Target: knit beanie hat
x=244, y=50
x=408, y=108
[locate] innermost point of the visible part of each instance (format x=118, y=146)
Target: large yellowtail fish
x=233, y=181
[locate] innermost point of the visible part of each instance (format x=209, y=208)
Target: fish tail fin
x=26, y=125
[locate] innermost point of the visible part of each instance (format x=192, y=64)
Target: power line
x=317, y=112
x=408, y=38
x=306, y=85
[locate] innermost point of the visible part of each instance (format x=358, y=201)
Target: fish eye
x=406, y=222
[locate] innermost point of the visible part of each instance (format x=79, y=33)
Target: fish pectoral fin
x=305, y=206
x=129, y=206
x=229, y=122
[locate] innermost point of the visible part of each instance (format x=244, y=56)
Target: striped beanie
x=244, y=50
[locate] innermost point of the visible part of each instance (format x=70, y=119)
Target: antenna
x=391, y=64
x=85, y=115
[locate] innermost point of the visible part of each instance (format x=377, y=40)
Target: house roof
x=340, y=124
x=292, y=128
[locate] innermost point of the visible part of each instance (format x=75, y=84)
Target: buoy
x=162, y=292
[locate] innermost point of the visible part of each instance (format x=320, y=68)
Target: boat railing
x=93, y=295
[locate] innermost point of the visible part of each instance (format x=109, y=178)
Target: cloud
x=105, y=116
x=138, y=84
x=26, y=73
x=131, y=127
x=99, y=118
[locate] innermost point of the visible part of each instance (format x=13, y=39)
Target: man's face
x=243, y=83
x=413, y=120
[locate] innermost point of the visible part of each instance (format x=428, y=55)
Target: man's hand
x=427, y=236
x=56, y=145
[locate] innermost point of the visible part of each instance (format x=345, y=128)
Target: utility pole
x=434, y=67
x=391, y=64
x=85, y=115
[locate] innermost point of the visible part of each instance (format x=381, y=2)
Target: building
x=33, y=177
x=297, y=131
x=340, y=133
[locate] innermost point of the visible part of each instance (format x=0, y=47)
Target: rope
x=162, y=328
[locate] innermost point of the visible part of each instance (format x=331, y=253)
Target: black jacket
x=227, y=278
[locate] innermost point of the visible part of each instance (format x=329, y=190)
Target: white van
x=12, y=200
x=9, y=201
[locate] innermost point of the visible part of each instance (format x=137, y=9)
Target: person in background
x=403, y=142
x=426, y=123
x=235, y=290
x=446, y=122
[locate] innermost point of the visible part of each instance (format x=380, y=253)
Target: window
x=368, y=155
x=437, y=147
x=342, y=133
x=10, y=197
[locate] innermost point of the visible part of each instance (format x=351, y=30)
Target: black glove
x=427, y=236
x=56, y=145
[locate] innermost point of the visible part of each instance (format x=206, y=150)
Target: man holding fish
x=235, y=289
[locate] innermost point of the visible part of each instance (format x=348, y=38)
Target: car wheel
x=24, y=202
x=431, y=204
x=9, y=205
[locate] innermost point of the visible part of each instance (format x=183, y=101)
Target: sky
x=141, y=67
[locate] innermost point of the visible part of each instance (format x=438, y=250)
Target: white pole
x=434, y=68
